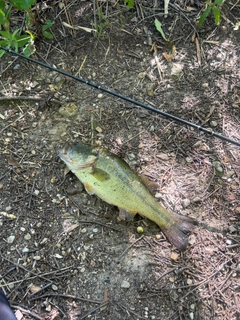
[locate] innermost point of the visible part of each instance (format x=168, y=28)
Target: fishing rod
x=113, y=93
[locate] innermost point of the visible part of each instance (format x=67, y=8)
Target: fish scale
x=110, y=178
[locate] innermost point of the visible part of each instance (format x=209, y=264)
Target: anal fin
x=126, y=215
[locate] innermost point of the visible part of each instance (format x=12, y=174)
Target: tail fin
x=177, y=231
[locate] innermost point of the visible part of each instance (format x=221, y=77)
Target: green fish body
x=111, y=179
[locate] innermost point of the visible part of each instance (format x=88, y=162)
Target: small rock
x=100, y=96
x=10, y=239
x=238, y=268
x=185, y=203
x=27, y=236
x=54, y=287
x=25, y=250
x=142, y=75
x=232, y=229
x=163, y=156
x=36, y=192
x=228, y=241
x=82, y=270
x=205, y=85
x=213, y=123
x=189, y=281
x=98, y=129
x=150, y=89
x=48, y=308
x=192, y=239
x=58, y=256
x=37, y=258
x=189, y=159
x=191, y=315
x=125, y=284
x=174, y=256
x=33, y=288
x=95, y=230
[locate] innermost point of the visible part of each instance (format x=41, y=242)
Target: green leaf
x=218, y=2
x=47, y=35
x=48, y=24
x=29, y=49
x=22, y=40
x=2, y=4
x=6, y=34
x=158, y=26
x=217, y=15
x=22, y=4
x=204, y=16
x=129, y=3
x=1, y=53
x=4, y=43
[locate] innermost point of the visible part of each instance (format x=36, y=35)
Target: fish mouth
x=65, y=154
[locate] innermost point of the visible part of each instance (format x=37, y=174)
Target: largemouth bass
x=111, y=179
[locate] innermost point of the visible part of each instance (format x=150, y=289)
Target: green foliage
x=22, y=4
x=129, y=3
x=213, y=7
x=15, y=40
x=102, y=23
x=158, y=26
x=48, y=24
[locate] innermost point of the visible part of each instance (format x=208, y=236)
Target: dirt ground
x=67, y=255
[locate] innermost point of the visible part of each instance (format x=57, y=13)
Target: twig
x=123, y=253
x=26, y=98
x=33, y=314
x=69, y=296
x=94, y=310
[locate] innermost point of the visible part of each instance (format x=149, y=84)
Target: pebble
x=37, y=258
x=125, y=284
x=232, y=229
x=238, y=268
x=163, y=156
x=84, y=230
x=27, y=236
x=174, y=256
x=191, y=315
x=142, y=75
x=82, y=270
x=205, y=85
x=10, y=239
x=54, y=287
x=58, y=256
x=100, y=96
x=213, y=123
x=95, y=230
x=185, y=203
x=25, y=250
x=189, y=160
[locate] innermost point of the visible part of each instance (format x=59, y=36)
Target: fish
x=109, y=177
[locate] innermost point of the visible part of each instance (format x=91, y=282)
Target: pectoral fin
x=126, y=215
x=90, y=190
x=100, y=174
